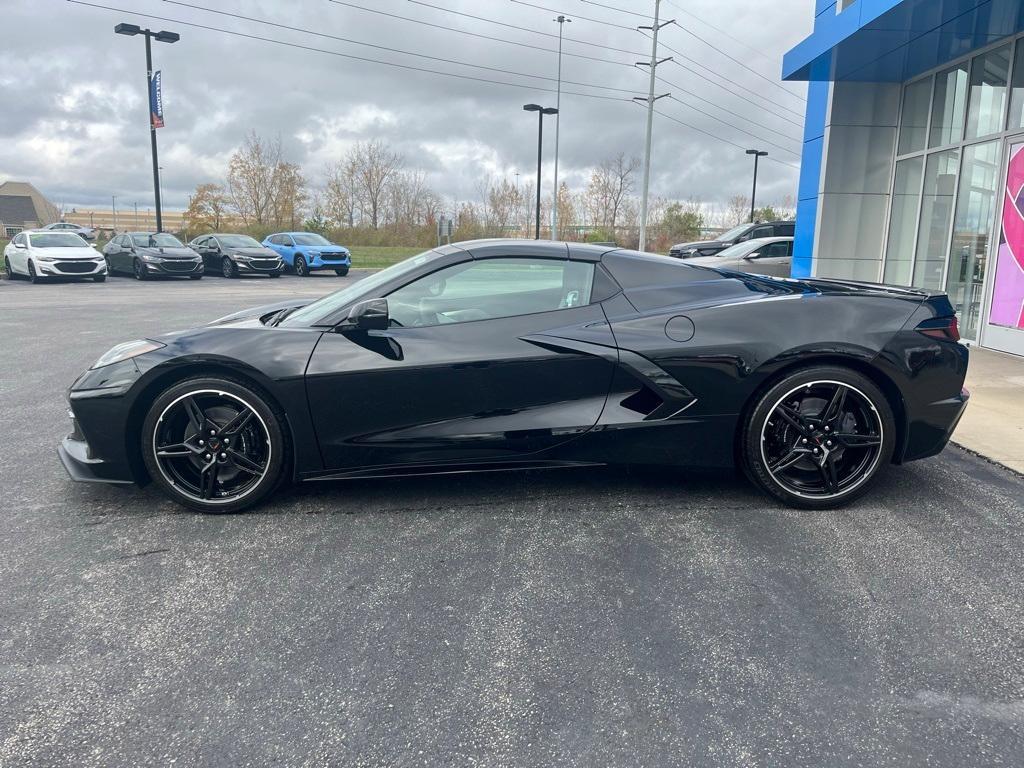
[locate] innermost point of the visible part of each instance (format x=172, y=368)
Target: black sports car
x=509, y=355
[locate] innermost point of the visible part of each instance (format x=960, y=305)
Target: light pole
x=163, y=37
x=558, y=121
x=541, y=111
x=753, y=193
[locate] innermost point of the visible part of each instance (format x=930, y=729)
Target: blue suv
x=306, y=251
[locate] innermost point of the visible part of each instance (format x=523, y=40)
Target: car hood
x=84, y=252
x=169, y=253
x=711, y=261
x=700, y=244
x=256, y=253
x=255, y=313
x=320, y=248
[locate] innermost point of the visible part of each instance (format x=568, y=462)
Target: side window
x=775, y=251
x=761, y=232
x=745, y=236
x=491, y=288
x=287, y=240
x=19, y=239
x=274, y=240
x=785, y=230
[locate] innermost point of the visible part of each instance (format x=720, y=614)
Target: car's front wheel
x=139, y=270
x=228, y=268
x=99, y=278
x=819, y=437
x=301, y=268
x=341, y=272
x=214, y=444
x=34, y=276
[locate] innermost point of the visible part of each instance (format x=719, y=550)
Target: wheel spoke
x=208, y=479
x=243, y=462
x=237, y=423
x=850, y=440
x=834, y=409
x=176, y=450
x=827, y=467
x=789, y=459
x=196, y=417
x=793, y=417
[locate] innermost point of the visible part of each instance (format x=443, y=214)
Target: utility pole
x=558, y=121
x=753, y=193
x=651, y=98
x=113, y=208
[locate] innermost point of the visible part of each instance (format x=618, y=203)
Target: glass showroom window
x=914, y=120
x=972, y=231
x=1016, y=119
x=936, y=216
x=987, y=99
x=906, y=199
x=948, y=106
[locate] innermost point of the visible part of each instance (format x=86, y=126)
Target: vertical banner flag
x=156, y=101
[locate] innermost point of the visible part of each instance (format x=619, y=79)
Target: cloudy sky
x=74, y=120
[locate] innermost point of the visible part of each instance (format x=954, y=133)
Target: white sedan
x=38, y=255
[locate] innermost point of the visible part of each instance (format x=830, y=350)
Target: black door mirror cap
x=369, y=315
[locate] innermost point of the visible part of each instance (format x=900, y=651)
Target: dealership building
x=913, y=153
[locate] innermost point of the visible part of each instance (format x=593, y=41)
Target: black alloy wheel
x=33, y=275
x=8, y=270
x=818, y=438
x=214, y=444
x=228, y=268
x=139, y=270
x=301, y=268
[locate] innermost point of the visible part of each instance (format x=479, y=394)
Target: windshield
x=57, y=240
x=158, y=240
x=740, y=250
x=733, y=233
x=238, y=241
x=365, y=288
x=308, y=238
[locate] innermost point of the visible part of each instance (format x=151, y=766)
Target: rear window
x=785, y=230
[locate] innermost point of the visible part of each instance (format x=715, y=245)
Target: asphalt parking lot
x=599, y=617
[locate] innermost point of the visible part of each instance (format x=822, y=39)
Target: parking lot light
x=541, y=111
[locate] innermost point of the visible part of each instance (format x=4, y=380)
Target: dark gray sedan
x=763, y=256
x=152, y=254
x=236, y=255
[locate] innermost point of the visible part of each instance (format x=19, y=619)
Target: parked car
x=308, y=251
x=235, y=255
x=41, y=254
x=152, y=254
x=763, y=256
x=735, y=235
x=87, y=233
x=514, y=354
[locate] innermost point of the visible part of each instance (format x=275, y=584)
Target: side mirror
x=20, y=245
x=370, y=315
x=751, y=256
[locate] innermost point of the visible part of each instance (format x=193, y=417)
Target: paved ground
x=996, y=381
x=585, y=618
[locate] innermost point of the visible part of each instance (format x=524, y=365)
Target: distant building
x=22, y=206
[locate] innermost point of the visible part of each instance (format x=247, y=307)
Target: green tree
x=682, y=222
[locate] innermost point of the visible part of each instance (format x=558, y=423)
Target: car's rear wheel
x=819, y=437
x=9, y=270
x=301, y=268
x=228, y=268
x=139, y=270
x=214, y=444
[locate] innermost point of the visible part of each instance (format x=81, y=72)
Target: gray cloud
x=74, y=121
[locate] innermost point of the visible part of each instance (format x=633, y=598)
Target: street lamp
x=753, y=193
x=131, y=30
x=562, y=20
x=541, y=111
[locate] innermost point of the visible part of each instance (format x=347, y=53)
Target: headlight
x=46, y=258
x=126, y=351
x=147, y=257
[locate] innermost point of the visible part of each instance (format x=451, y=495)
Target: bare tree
x=737, y=210
x=341, y=196
x=375, y=166
x=610, y=185
x=251, y=172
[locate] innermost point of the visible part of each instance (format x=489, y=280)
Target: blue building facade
x=913, y=153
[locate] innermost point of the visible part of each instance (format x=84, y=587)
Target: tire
x=99, y=278
x=301, y=268
x=215, y=481
x=228, y=268
x=35, y=278
x=341, y=272
x=139, y=271
x=275, y=274
x=195, y=277
x=818, y=438
x=110, y=269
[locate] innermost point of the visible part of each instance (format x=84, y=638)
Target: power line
x=389, y=49
x=720, y=138
x=290, y=44
x=735, y=127
x=483, y=36
x=575, y=15
x=720, y=31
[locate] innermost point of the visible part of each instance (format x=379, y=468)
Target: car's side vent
x=644, y=401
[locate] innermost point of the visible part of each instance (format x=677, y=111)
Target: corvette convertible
x=505, y=354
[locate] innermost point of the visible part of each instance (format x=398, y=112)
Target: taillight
x=942, y=328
